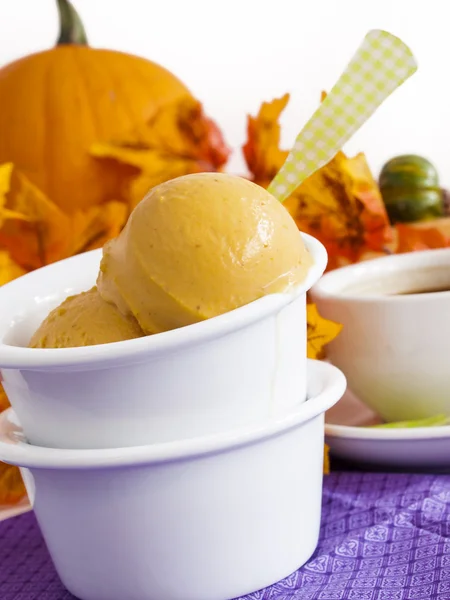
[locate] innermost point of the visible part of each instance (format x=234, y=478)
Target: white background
x=233, y=54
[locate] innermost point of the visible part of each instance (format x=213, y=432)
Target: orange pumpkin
x=56, y=104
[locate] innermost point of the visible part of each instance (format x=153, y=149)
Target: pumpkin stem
x=71, y=27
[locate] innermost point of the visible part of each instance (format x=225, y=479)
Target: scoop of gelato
x=199, y=246
x=84, y=320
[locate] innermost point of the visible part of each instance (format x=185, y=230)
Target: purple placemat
x=383, y=537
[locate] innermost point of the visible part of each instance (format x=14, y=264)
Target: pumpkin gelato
x=84, y=320
x=194, y=248
x=198, y=246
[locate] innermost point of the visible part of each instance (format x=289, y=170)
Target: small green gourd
x=410, y=189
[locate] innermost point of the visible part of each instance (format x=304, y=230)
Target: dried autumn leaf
x=4, y=402
x=5, y=186
x=262, y=150
x=411, y=238
x=341, y=206
x=326, y=460
x=9, y=269
x=153, y=167
x=177, y=141
x=12, y=488
x=35, y=231
x=320, y=332
x=93, y=227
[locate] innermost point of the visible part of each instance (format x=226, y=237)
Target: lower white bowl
x=210, y=518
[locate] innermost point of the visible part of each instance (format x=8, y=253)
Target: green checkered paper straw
x=381, y=64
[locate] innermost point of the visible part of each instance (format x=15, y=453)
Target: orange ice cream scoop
x=84, y=320
x=199, y=246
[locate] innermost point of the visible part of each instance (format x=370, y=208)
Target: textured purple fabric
x=384, y=537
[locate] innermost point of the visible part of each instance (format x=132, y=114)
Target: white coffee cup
x=395, y=345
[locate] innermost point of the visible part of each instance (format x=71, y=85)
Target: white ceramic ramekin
x=213, y=376
x=394, y=347
x=210, y=518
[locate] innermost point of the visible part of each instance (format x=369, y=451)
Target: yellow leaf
x=341, y=205
x=178, y=140
x=320, y=332
x=9, y=270
x=93, y=227
x=36, y=231
x=262, y=149
x=154, y=167
x=5, y=177
x=5, y=185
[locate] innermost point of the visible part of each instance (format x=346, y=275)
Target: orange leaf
x=178, y=140
x=410, y=238
x=262, y=150
x=9, y=270
x=36, y=231
x=5, y=186
x=341, y=205
x=320, y=332
x=4, y=402
x=12, y=488
x=93, y=227
x=326, y=460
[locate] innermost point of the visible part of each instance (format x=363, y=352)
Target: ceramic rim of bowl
x=335, y=284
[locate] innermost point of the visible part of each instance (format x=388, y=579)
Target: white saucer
x=349, y=438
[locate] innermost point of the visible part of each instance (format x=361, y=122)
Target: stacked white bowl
x=181, y=466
